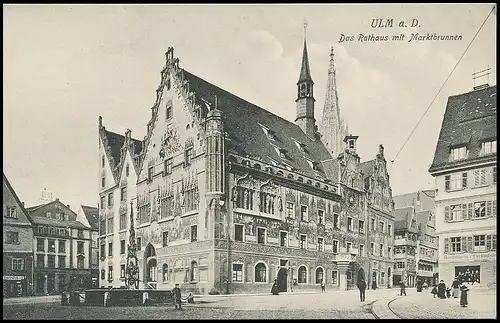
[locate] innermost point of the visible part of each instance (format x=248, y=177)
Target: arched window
x=103, y=274
x=302, y=275
x=165, y=272
x=260, y=273
x=194, y=271
x=319, y=275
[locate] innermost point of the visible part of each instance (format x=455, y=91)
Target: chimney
x=57, y=199
x=67, y=205
x=22, y=203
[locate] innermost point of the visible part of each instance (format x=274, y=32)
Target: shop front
x=14, y=286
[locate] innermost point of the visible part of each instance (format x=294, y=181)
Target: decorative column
x=132, y=270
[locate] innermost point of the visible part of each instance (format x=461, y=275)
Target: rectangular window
x=103, y=181
x=348, y=246
x=336, y=222
x=168, y=112
x=62, y=262
x=321, y=217
x=456, y=212
x=389, y=254
x=62, y=246
x=127, y=170
x=123, y=194
x=361, y=226
x=361, y=250
x=168, y=166
x=381, y=250
x=103, y=250
x=238, y=232
x=123, y=221
x=400, y=265
x=372, y=224
x=139, y=243
x=455, y=182
x=12, y=237
x=372, y=248
x=17, y=264
x=320, y=244
x=389, y=230
x=456, y=244
x=335, y=246
x=303, y=213
x=11, y=212
x=480, y=243
x=480, y=209
x=51, y=261
x=165, y=238
x=261, y=235
x=458, y=153
x=40, y=261
x=110, y=199
x=122, y=271
x=110, y=273
x=110, y=249
x=238, y=272
x=349, y=224
x=283, y=239
x=122, y=247
x=150, y=173
x=52, y=245
x=303, y=241
x=381, y=226
x=79, y=248
x=103, y=202
x=290, y=210
x=188, y=155
x=480, y=177
x=488, y=147
x=334, y=277
x=194, y=233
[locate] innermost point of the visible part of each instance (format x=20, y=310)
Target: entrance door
x=374, y=280
x=283, y=279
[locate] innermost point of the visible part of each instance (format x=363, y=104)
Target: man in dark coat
x=362, y=289
x=463, y=295
x=441, y=290
x=402, y=285
x=177, y=297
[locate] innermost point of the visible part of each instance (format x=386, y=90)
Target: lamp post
x=224, y=213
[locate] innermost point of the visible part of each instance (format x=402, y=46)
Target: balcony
x=425, y=273
x=345, y=257
x=404, y=242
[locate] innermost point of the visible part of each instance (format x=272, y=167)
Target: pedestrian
x=448, y=292
x=374, y=284
x=362, y=289
x=434, y=291
x=463, y=295
x=323, y=286
x=177, y=297
x=441, y=289
x=419, y=285
x=275, y=289
x=455, y=288
x=402, y=285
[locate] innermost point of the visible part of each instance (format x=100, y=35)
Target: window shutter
x=493, y=242
x=483, y=176
x=476, y=177
x=447, y=182
x=447, y=214
x=470, y=209
x=464, y=211
x=470, y=244
x=488, y=242
x=446, y=245
x=463, y=244
x=464, y=180
x=488, y=208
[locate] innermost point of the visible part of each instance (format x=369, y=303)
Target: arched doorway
x=374, y=280
x=150, y=265
x=361, y=275
x=282, y=279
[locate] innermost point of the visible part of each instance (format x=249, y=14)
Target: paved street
x=482, y=304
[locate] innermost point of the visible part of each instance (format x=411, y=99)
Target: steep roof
x=55, y=222
x=244, y=124
x=423, y=219
x=18, y=201
x=305, y=71
x=115, y=144
x=92, y=215
x=404, y=200
x=469, y=119
x=402, y=218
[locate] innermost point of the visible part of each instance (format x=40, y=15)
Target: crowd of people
x=456, y=289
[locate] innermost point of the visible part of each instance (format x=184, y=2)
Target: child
x=434, y=291
x=448, y=292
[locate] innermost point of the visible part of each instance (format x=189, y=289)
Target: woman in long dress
x=463, y=295
x=441, y=290
x=275, y=288
x=455, y=288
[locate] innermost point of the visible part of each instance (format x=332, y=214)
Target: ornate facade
x=229, y=197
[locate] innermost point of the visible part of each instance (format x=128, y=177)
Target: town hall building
x=227, y=197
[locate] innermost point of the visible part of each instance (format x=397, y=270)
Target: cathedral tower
x=332, y=126
x=305, y=98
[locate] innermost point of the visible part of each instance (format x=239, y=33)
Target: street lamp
x=222, y=202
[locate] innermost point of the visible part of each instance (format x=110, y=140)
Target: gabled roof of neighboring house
x=115, y=143
x=469, y=119
x=423, y=219
x=402, y=218
x=54, y=222
x=243, y=122
x=18, y=201
x=367, y=167
x=92, y=215
x=39, y=218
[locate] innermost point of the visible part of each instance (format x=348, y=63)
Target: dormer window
x=281, y=152
x=301, y=146
x=488, y=147
x=269, y=133
x=458, y=153
x=314, y=165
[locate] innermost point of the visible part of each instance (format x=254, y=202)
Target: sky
x=66, y=65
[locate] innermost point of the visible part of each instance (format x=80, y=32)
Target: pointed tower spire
x=331, y=126
x=305, y=97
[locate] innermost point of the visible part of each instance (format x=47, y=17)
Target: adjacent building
x=226, y=197
x=62, y=248
x=465, y=172
x=89, y=216
x=17, y=245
